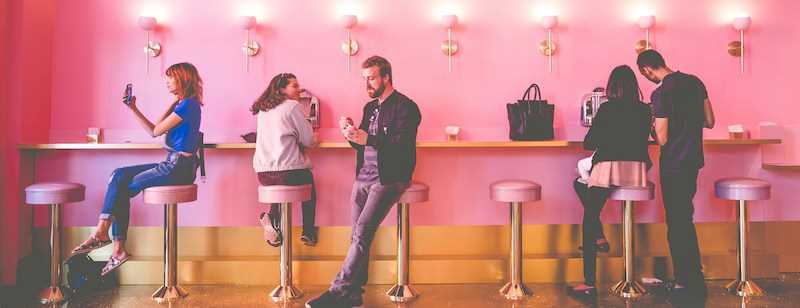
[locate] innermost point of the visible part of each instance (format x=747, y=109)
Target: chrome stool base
x=628, y=289
x=744, y=288
x=516, y=291
x=51, y=295
x=285, y=293
x=401, y=293
x=169, y=293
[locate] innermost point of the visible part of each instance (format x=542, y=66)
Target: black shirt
x=620, y=132
x=680, y=99
x=395, y=139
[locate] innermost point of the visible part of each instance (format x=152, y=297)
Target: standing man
x=682, y=109
x=385, y=143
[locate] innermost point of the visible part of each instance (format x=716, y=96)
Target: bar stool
x=54, y=194
x=285, y=195
x=170, y=196
x=630, y=286
x=742, y=190
x=515, y=192
x=402, y=291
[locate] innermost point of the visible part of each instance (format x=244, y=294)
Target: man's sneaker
x=272, y=233
x=330, y=299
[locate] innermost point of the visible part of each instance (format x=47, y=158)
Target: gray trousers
x=371, y=202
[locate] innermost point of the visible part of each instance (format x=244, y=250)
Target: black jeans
x=677, y=189
x=593, y=199
x=293, y=178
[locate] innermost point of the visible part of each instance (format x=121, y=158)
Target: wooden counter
x=344, y=145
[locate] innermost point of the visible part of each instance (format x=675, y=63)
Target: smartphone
x=128, y=94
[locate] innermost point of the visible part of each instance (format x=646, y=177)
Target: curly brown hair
x=272, y=96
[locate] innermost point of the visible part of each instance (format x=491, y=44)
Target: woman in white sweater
x=283, y=135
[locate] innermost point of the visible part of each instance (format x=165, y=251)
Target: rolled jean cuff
x=105, y=216
x=118, y=237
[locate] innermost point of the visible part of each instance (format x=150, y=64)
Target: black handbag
x=530, y=119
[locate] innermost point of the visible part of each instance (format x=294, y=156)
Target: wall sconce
x=449, y=47
x=548, y=48
x=151, y=48
x=350, y=46
x=646, y=23
x=250, y=48
x=736, y=48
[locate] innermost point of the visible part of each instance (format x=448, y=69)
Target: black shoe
x=275, y=221
x=586, y=295
x=309, y=237
x=330, y=299
x=674, y=290
x=603, y=248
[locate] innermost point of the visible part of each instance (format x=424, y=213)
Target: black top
x=620, y=132
x=396, y=138
x=680, y=99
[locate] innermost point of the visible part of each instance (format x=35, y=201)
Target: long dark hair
x=622, y=85
x=272, y=96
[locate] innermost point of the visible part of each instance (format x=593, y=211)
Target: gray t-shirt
x=369, y=171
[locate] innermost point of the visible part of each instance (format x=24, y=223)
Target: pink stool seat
x=633, y=193
x=741, y=188
x=515, y=191
x=416, y=193
x=54, y=193
x=172, y=194
x=284, y=193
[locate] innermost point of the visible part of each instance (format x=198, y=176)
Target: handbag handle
x=537, y=94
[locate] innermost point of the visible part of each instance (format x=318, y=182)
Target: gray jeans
x=371, y=202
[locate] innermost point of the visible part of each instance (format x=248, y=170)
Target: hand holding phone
x=128, y=98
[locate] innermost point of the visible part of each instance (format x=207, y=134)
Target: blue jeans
x=371, y=202
x=127, y=182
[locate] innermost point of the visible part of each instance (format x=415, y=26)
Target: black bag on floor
x=530, y=118
x=83, y=275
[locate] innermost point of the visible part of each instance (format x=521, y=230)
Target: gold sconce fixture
x=646, y=23
x=547, y=47
x=449, y=47
x=250, y=48
x=350, y=46
x=736, y=48
x=151, y=48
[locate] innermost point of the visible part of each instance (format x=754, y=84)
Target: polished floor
x=781, y=293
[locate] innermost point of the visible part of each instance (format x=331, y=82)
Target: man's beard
x=375, y=93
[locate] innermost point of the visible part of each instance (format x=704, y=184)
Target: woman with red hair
x=181, y=124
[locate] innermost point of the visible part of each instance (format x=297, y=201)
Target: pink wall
x=97, y=49
x=28, y=30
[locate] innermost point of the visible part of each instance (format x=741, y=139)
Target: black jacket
x=620, y=132
x=396, y=141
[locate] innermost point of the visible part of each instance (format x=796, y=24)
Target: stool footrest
x=401, y=293
x=744, y=288
x=285, y=294
x=628, y=289
x=169, y=293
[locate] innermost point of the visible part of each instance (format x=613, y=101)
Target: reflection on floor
x=781, y=293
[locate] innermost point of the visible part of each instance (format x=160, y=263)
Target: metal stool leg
x=515, y=289
x=742, y=286
x=630, y=286
x=402, y=291
x=52, y=294
x=170, y=290
x=286, y=291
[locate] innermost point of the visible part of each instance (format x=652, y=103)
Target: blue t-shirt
x=185, y=136
x=681, y=98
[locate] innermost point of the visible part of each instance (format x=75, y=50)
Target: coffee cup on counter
x=452, y=132
x=737, y=132
x=94, y=135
